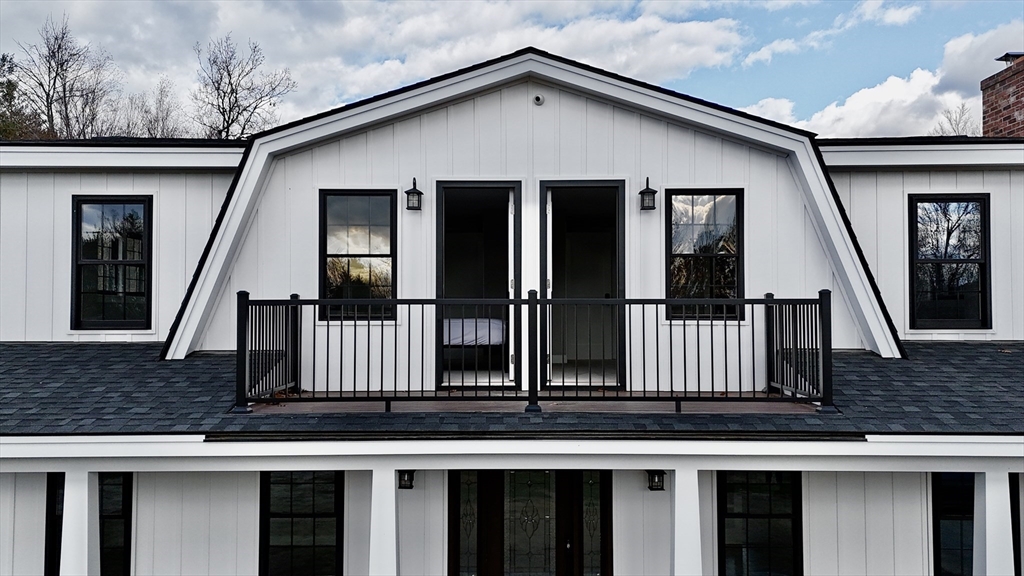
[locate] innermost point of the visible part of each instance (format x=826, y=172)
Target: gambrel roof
x=827, y=214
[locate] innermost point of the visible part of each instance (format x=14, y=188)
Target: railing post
x=242, y=355
x=825, y=319
x=532, y=352
x=293, y=352
x=769, y=340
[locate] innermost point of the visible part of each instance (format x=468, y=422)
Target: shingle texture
x=63, y=388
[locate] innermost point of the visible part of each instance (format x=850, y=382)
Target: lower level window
x=953, y=513
x=300, y=523
x=54, y=522
x=115, y=523
x=759, y=523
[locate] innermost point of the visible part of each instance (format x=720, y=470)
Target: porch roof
x=68, y=388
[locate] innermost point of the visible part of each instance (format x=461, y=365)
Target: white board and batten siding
x=196, y=523
x=36, y=251
x=866, y=523
x=502, y=135
x=878, y=206
x=22, y=523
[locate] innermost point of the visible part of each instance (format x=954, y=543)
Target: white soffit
x=21, y=157
x=199, y=307
x=946, y=155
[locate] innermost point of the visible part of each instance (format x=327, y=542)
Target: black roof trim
x=206, y=252
x=860, y=251
x=917, y=141
x=538, y=52
x=118, y=141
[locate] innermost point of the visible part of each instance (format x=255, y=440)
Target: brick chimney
x=1002, y=99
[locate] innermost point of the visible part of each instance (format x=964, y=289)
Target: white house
x=529, y=317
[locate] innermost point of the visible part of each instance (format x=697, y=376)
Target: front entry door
x=582, y=252
x=529, y=523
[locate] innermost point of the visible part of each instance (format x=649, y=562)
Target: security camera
x=538, y=99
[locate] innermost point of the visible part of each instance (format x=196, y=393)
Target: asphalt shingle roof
x=111, y=388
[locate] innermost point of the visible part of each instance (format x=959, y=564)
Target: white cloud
x=866, y=11
x=876, y=11
x=778, y=109
x=912, y=105
x=784, y=46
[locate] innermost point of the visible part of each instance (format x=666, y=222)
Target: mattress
x=474, y=332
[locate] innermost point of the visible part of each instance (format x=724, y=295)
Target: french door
x=529, y=523
x=583, y=258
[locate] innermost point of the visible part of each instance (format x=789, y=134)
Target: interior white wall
x=877, y=203
x=502, y=135
x=866, y=523
x=36, y=252
x=196, y=523
x=22, y=523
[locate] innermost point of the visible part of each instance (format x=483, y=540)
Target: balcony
x=532, y=350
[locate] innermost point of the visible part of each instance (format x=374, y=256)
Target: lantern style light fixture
x=656, y=480
x=647, y=196
x=413, y=197
x=405, y=477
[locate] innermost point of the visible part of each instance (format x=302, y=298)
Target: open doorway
x=584, y=248
x=477, y=264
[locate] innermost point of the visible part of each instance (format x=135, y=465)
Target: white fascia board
x=894, y=454
x=103, y=157
x=843, y=255
x=199, y=308
x=950, y=155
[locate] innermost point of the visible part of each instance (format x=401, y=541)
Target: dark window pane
x=735, y=531
x=302, y=498
x=337, y=210
x=757, y=531
x=324, y=498
x=302, y=531
x=759, y=499
x=326, y=560
x=113, y=533
x=326, y=533
x=280, y=561
x=303, y=560
x=280, y=532
x=949, y=230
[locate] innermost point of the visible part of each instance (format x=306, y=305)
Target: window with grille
x=357, y=247
x=300, y=523
x=705, y=250
x=949, y=285
x=759, y=528
x=112, y=245
x=953, y=517
x=115, y=499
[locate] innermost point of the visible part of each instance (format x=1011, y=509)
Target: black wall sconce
x=655, y=480
x=413, y=197
x=647, y=196
x=405, y=477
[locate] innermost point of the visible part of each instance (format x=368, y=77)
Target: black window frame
x=795, y=515
x=703, y=313
x=265, y=515
x=77, y=201
x=358, y=313
x=952, y=497
x=54, y=522
x=984, y=272
x=124, y=516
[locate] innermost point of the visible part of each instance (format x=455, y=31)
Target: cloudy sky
x=869, y=68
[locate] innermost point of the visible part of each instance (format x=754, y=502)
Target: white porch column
x=383, y=523
x=686, y=549
x=78, y=533
x=993, y=535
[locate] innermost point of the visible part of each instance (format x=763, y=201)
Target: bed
x=473, y=343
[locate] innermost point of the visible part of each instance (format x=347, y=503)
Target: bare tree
x=67, y=84
x=235, y=97
x=956, y=122
x=157, y=114
x=17, y=122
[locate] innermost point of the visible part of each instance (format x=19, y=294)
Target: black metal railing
x=763, y=349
